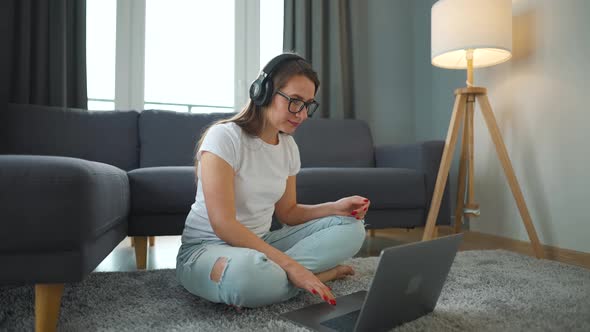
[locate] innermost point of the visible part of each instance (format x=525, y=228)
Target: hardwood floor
x=481, y=241
x=163, y=254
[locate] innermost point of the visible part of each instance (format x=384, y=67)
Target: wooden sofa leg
x=47, y=305
x=371, y=232
x=152, y=241
x=140, y=251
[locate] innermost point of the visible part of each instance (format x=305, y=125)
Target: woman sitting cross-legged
x=246, y=168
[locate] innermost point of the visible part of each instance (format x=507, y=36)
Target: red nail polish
x=365, y=209
x=358, y=218
x=366, y=200
x=314, y=291
x=333, y=302
x=325, y=298
x=353, y=213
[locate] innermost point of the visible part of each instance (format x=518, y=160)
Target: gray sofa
x=74, y=183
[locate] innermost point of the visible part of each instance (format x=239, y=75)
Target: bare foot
x=338, y=272
x=235, y=307
x=343, y=271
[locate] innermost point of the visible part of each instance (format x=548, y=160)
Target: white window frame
x=130, y=55
x=247, y=49
x=130, y=52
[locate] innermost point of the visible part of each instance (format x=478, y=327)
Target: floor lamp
x=467, y=34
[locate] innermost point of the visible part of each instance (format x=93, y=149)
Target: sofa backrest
x=169, y=138
x=150, y=138
x=105, y=136
x=335, y=143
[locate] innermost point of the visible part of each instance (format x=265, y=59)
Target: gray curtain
x=320, y=31
x=45, y=52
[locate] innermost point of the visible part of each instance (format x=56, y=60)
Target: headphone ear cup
x=266, y=93
x=261, y=90
x=256, y=92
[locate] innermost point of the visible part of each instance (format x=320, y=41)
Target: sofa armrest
x=424, y=157
x=58, y=203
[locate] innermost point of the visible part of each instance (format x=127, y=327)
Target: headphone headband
x=270, y=66
x=261, y=89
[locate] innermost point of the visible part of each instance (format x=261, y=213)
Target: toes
x=348, y=269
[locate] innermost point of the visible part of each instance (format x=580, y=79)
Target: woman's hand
x=355, y=206
x=305, y=279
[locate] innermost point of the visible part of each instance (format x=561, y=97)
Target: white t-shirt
x=261, y=172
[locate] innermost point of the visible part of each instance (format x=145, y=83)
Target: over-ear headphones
x=262, y=88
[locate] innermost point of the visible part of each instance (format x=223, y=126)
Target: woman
x=246, y=168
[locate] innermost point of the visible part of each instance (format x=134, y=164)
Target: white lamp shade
x=482, y=25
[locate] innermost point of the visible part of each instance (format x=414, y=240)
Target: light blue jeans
x=250, y=279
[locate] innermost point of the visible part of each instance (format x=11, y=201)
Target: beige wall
x=541, y=99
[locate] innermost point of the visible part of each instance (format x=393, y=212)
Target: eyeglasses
x=297, y=105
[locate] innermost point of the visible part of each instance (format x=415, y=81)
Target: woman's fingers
x=327, y=295
x=354, y=206
x=323, y=292
x=360, y=212
x=355, y=202
x=360, y=201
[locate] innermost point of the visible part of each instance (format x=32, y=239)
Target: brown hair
x=252, y=118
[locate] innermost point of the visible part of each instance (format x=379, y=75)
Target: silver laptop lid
x=407, y=283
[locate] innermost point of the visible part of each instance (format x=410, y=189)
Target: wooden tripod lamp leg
x=461, y=181
x=445, y=165
x=471, y=208
x=486, y=110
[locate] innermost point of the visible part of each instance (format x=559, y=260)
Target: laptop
x=406, y=285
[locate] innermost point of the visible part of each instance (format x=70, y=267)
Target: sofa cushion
x=108, y=137
x=387, y=188
x=335, y=143
x=172, y=190
x=162, y=190
x=169, y=138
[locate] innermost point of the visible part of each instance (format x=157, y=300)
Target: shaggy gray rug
x=485, y=291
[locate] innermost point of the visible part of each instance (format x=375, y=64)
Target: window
x=271, y=29
x=181, y=55
x=100, y=53
x=189, y=54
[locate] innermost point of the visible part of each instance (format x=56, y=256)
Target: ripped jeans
x=250, y=279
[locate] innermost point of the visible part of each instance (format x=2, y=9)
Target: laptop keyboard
x=344, y=323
